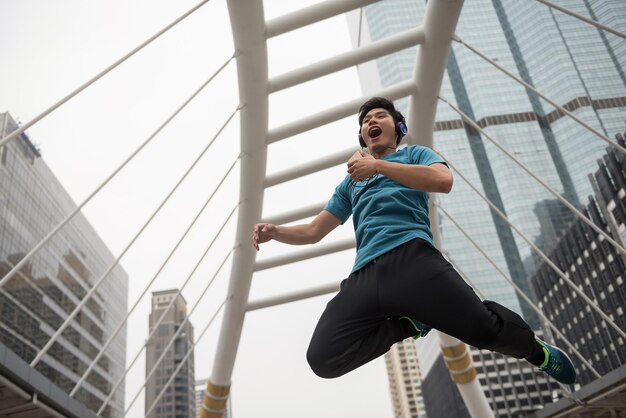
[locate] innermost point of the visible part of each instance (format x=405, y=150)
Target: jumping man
x=400, y=286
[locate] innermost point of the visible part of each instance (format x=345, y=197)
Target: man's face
x=379, y=130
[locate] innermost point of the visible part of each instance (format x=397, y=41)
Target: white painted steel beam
x=340, y=62
x=311, y=167
x=248, y=28
x=432, y=56
x=295, y=215
x=316, y=251
x=336, y=113
x=293, y=296
x=311, y=14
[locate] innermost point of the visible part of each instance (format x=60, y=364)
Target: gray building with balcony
x=41, y=295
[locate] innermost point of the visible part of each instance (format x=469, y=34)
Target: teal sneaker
x=421, y=328
x=557, y=364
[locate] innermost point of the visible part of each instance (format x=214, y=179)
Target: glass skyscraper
x=36, y=301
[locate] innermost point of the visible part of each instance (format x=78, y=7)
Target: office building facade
x=41, y=295
x=596, y=268
x=164, y=354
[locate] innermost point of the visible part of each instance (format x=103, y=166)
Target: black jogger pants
x=363, y=320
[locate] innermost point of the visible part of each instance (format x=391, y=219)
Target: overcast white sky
x=50, y=48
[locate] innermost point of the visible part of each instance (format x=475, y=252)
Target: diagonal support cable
x=540, y=253
x=583, y=18
x=117, y=170
x=178, y=332
x=538, y=93
x=106, y=273
x=98, y=76
x=556, y=194
x=167, y=259
x=171, y=303
x=184, y=360
x=517, y=289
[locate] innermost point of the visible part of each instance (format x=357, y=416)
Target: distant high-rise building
x=578, y=66
x=41, y=295
x=179, y=399
x=404, y=380
x=200, y=389
x=597, y=268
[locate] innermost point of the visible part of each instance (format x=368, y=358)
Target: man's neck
x=383, y=152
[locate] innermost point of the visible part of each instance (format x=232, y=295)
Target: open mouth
x=374, y=131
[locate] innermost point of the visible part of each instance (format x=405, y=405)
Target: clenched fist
x=262, y=233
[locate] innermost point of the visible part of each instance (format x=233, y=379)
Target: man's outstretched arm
x=301, y=234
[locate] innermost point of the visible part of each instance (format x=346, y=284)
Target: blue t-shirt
x=386, y=214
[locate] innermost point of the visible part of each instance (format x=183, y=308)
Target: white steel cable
x=117, y=170
x=167, y=259
x=98, y=76
x=132, y=241
x=556, y=194
x=178, y=332
x=540, y=253
x=538, y=93
x=583, y=18
x=518, y=290
x=158, y=322
x=190, y=350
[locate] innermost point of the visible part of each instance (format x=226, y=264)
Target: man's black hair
x=380, y=102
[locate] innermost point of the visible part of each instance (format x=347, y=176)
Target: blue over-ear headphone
x=401, y=130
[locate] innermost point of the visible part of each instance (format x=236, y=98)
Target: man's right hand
x=262, y=233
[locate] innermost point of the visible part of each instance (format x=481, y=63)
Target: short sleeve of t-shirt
x=339, y=204
x=424, y=156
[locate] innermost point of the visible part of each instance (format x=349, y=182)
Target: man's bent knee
x=320, y=363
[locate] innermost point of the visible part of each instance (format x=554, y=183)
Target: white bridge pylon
x=250, y=34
